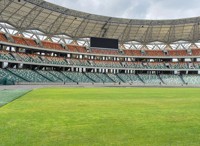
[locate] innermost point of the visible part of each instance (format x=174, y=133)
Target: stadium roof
x=56, y=20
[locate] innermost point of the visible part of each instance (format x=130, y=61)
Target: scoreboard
x=104, y=43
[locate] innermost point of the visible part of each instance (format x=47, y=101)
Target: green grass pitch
x=102, y=116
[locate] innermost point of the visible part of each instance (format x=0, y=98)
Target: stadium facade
x=45, y=43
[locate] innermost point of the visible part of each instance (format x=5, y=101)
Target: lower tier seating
x=29, y=75
x=94, y=77
x=61, y=76
x=7, y=74
x=78, y=77
x=150, y=79
x=172, y=79
x=104, y=77
x=115, y=78
x=130, y=78
x=191, y=79
x=41, y=76
x=49, y=76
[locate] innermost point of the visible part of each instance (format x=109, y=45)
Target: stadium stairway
x=110, y=78
x=15, y=74
x=171, y=79
x=141, y=79
x=150, y=79
x=9, y=75
x=61, y=76
x=104, y=77
x=191, y=79
x=115, y=78
x=78, y=77
x=49, y=76
x=16, y=56
x=182, y=79
x=125, y=78
x=120, y=78
x=30, y=75
x=161, y=79
x=93, y=77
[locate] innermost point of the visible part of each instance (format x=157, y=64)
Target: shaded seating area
x=105, y=51
x=52, y=45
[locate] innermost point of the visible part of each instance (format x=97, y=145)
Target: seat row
x=195, y=52
x=34, y=58
x=81, y=49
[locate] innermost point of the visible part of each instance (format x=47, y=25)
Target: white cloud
x=140, y=9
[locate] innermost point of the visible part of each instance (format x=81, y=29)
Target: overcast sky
x=138, y=9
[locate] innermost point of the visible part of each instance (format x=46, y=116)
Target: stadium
x=76, y=56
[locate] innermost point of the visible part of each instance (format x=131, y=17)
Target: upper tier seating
x=30, y=42
x=5, y=55
x=23, y=57
x=172, y=53
x=196, y=52
x=174, y=65
x=98, y=63
x=77, y=62
x=156, y=65
x=135, y=65
x=19, y=40
x=27, y=57
x=197, y=65
x=72, y=48
x=56, y=46
x=105, y=51
x=3, y=37
x=51, y=45
x=81, y=49
x=74, y=62
x=154, y=53
x=35, y=58
x=183, y=65
x=180, y=65
x=84, y=62
x=54, y=60
x=132, y=52
x=177, y=53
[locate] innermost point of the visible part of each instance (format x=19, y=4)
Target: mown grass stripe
x=7, y=96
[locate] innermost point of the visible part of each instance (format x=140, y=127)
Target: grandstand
x=161, y=52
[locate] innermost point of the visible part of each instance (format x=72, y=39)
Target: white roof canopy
x=56, y=20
